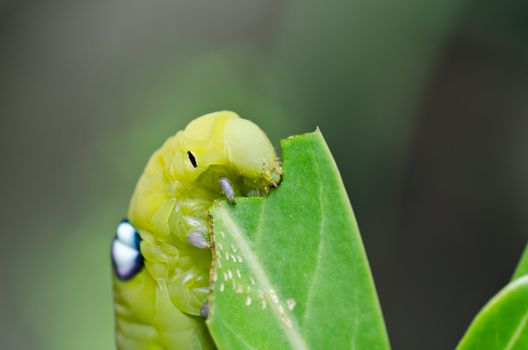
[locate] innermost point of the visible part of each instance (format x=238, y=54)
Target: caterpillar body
x=160, y=266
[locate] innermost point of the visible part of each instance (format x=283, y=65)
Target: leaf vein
x=320, y=249
x=292, y=334
x=517, y=332
x=242, y=340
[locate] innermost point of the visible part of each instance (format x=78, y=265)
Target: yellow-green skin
x=159, y=308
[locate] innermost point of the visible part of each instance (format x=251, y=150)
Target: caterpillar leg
x=204, y=310
x=198, y=240
x=227, y=189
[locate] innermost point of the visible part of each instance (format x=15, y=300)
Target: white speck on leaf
x=273, y=296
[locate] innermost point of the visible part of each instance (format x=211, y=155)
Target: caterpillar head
x=222, y=141
x=193, y=161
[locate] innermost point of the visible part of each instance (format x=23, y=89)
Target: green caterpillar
x=160, y=254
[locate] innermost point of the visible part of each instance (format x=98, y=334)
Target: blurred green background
x=423, y=103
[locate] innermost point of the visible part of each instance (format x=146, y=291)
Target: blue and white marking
x=126, y=255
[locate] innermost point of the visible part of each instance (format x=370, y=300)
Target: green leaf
x=502, y=323
x=522, y=267
x=290, y=269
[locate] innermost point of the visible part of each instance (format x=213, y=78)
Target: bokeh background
x=423, y=103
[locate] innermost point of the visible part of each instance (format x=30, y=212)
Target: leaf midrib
x=517, y=332
x=292, y=333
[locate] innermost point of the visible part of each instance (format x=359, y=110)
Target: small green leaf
x=522, y=267
x=290, y=269
x=502, y=323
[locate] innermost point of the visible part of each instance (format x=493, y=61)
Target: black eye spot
x=192, y=159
